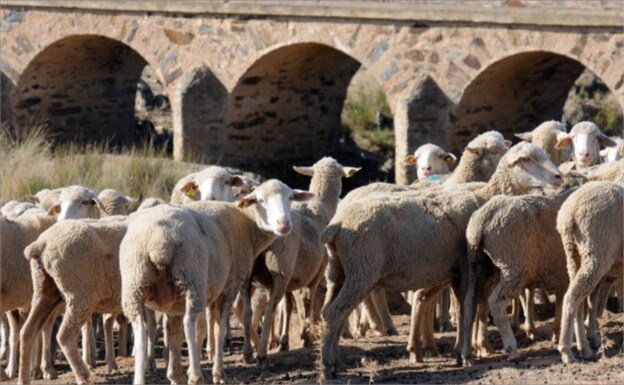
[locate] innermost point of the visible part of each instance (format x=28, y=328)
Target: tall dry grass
x=28, y=164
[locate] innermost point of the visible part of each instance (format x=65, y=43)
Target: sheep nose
x=427, y=168
x=283, y=226
x=584, y=154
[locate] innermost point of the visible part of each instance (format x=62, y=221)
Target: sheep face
x=272, y=201
x=76, y=202
x=327, y=166
x=532, y=167
x=431, y=160
x=213, y=184
x=489, y=147
x=586, y=139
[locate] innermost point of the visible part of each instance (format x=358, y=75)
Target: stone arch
x=200, y=125
x=7, y=89
x=286, y=107
x=83, y=88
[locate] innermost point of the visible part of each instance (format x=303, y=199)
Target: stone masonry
x=254, y=85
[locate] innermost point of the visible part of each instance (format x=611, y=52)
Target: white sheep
x=76, y=263
x=15, y=281
x=115, y=203
x=408, y=241
x=45, y=198
x=586, y=139
x=296, y=261
x=180, y=260
x=430, y=160
x=546, y=136
x=590, y=224
x=611, y=154
x=211, y=183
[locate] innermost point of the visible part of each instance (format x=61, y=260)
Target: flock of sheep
x=507, y=224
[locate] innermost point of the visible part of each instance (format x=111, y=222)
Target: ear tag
x=191, y=192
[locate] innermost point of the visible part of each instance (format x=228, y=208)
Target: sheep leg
x=515, y=314
x=245, y=295
x=299, y=295
x=67, y=336
x=227, y=299
x=469, y=312
x=421, y=299
x=285, y=332
x=557, y=322
x=277, y=292
x=108, y=321
x=582, y=283
x=482, y=345
x=427, y=333
x=175, y=374
x=47, y=336
x=4, y=337
x=122, y=322
x=210, y=329
x=14, y=333
x=150, y=322
x=381, y=306
x=370, y=319
x=445, y=305
x=200, y=333
x=529, y=313
x=595, y=300
x=498, y=303
x=140, y=345
x=349, y=296
x=88, y=344
x=195, y=304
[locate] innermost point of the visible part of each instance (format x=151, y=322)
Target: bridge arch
x=286, y=107
x=84, y=88
x=7, y=89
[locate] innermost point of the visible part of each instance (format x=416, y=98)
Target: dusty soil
x=384, y=360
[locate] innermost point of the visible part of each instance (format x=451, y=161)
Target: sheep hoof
x=566, y=355
x=514, y=356
x=467, y=362
x=415, y=358
x=431, y=351
x=195, y=380
x=588, y=354
x=248, y=357
x=151, y=366
x=262, y=363
x=329, y=373
x=36, y=374
x=111, y=367
x=392, y=332
x=283, y=346
x=3, y=376
x=219, y=378
x=209, y=357
x=595, y=342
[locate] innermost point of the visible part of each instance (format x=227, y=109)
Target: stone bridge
x=259, y=83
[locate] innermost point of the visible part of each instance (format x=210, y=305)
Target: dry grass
x=29, y=164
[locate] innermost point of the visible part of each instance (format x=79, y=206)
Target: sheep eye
x=494, y=152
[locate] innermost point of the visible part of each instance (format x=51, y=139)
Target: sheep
x=611, y=154
x=430, y=160
x=212, y=183
x=76, y=263
x=150, y=202
x=393, y=240
x=115, y=203
x=14, y=209
x=77, y=202
x=590, y=225
x=296, y=261
x=546, y=137
x=45, y=198
x=15, y=273
x=586, y=139
x=492, y=237
x=180, y=260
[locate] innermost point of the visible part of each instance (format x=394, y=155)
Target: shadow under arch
x=83, y=88
x=7, y=89
x=202, y=118
x=515, y=94
x=286, y=108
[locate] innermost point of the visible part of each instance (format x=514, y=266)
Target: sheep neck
x=502, y=183
x=260, y=238
x=469, y=170
x=326, y=189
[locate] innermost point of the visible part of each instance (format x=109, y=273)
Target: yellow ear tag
x=191, y=192
x=55, y=213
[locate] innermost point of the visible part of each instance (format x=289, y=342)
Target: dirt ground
x=384, y=360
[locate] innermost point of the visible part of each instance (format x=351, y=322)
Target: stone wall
x=7, y=88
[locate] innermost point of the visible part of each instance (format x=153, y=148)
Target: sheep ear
x=410, y=159
x=473, y=151
x=189, y=189
x=247, y=200
x=516, y=158
x=307, y=171
x=301, y=195
x=350, y=171
x=527, y=136
x=450, y=159
x=54, y=210
x=563, y=140
x=606, y=141
x=96, y=202
x=32, y=198
x=507, y=143
x=237, y=181
x=130, y=199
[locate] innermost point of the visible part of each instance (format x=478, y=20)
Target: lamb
x=91, y=248
x=296, y=261
x=115, y=203
x=15, y=273
x=590, y=225
x=179, y=260
x=212, y=183
x=431, y=160
x=391, y=241
x=495, y=259
x=611, y=154
x=586, y=138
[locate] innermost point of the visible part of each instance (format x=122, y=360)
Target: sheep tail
x=329, y=233
x=474, y=236
x=161, y=256
x=33, y=253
